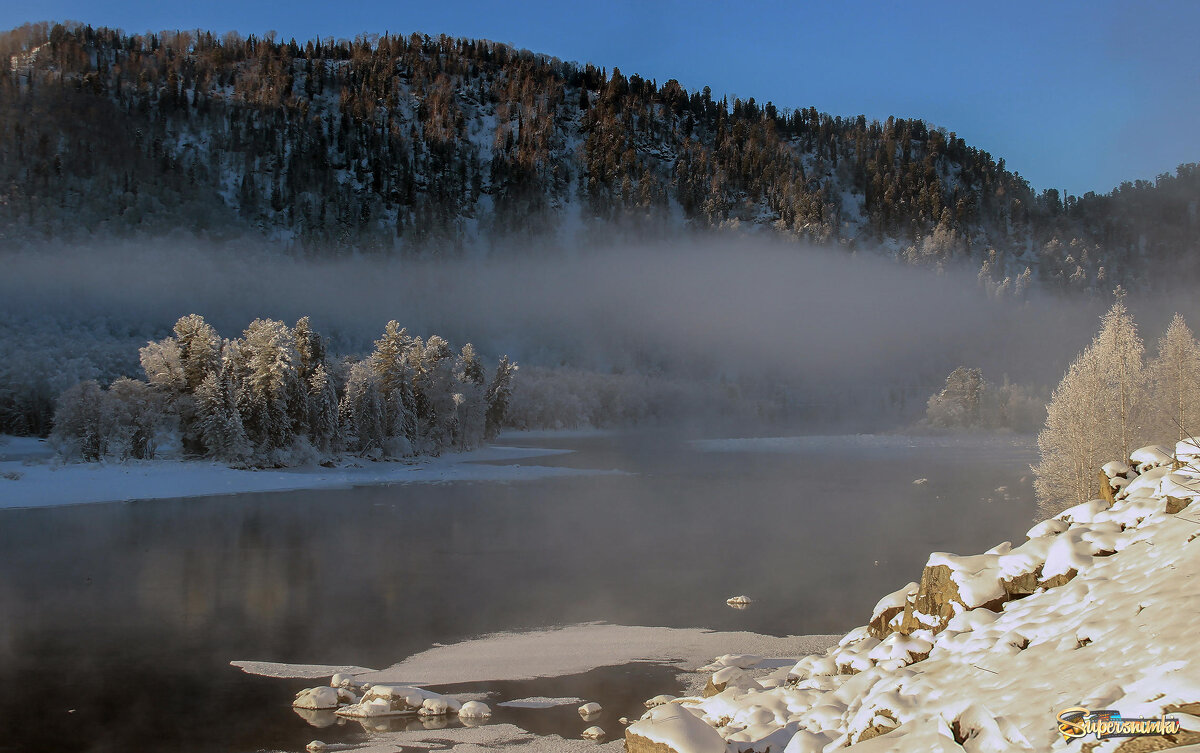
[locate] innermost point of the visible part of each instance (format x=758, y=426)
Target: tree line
x=403, y=144
x=273, y=397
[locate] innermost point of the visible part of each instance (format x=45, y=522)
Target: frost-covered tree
x=1094, y=415
x=361, y=411
x=1174, y=379
x=310, y=348
x=322, y=411
x=1076, y=440
x=163, y=365
x=960, y=402
x=1120, y=349
x=83, y=422
x=266, y=381
x=499, y=393
x=218, y=422
x=472, y=404
x=137, y=417
x=393, y=360
x=199, y=349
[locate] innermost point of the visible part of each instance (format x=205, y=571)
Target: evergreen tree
x=322, y=411
x=218, y=422
x=268, y=382
x=199, y=349
x=499, y=393
x=361, y=412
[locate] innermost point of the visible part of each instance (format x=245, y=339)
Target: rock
x=672, y=729
x=434, y=707
x=930, y=608
x=1058, y=580
x=1022, y=585
x=388, y=700
x=711, y=688
x=474, y=710
x=659, y=700
x=316, y=698
x=1107, y=492
x=739, y=601
x=589, y=709
x=888, y=608
x=316, y=746
x=1176, y=504
x=341, y=680
x=883, y=723
x=593, y=733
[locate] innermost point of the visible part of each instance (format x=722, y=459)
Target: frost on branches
x=1110, y=401
x=273, y=397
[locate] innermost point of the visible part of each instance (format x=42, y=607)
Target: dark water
x=117, y=621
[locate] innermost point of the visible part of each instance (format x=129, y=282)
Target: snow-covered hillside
x=1095, y=610
x=402, y=143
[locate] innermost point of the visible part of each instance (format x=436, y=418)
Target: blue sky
x=1074, y=95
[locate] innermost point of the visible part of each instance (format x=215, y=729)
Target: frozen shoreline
x=28, y=478
x=554, y=652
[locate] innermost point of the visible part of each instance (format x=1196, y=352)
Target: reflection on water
x=142, y=605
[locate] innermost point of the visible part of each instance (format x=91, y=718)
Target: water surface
x=117, y=621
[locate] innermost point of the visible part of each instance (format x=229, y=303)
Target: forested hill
x=401, y=144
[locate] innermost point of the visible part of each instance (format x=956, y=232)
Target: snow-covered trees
x=92, y=423
x=1174, y=382
x=1098, y=412
x=960, y=402
x=968, y=401
x=272, y=397
x=82, y=423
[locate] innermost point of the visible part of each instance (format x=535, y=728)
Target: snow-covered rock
x=1151, y=456
x=589, y=709
x=389, y=700
x=674, y=727
x=474, y=710
x=316, y=698
x=1115, y=468
x=741, y=661
x=889, y=608
x=593, y=733
x=1188, y=451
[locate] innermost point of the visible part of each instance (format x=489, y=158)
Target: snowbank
x=1095, y=609
x=45, y=484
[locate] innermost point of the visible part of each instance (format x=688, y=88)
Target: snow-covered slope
x=1096, y=610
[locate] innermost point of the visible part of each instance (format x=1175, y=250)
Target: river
x=118, y=621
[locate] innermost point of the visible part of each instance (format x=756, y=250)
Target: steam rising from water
x=726, y=307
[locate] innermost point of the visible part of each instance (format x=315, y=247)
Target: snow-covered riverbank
x=29, y=477
x=1095, y=610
